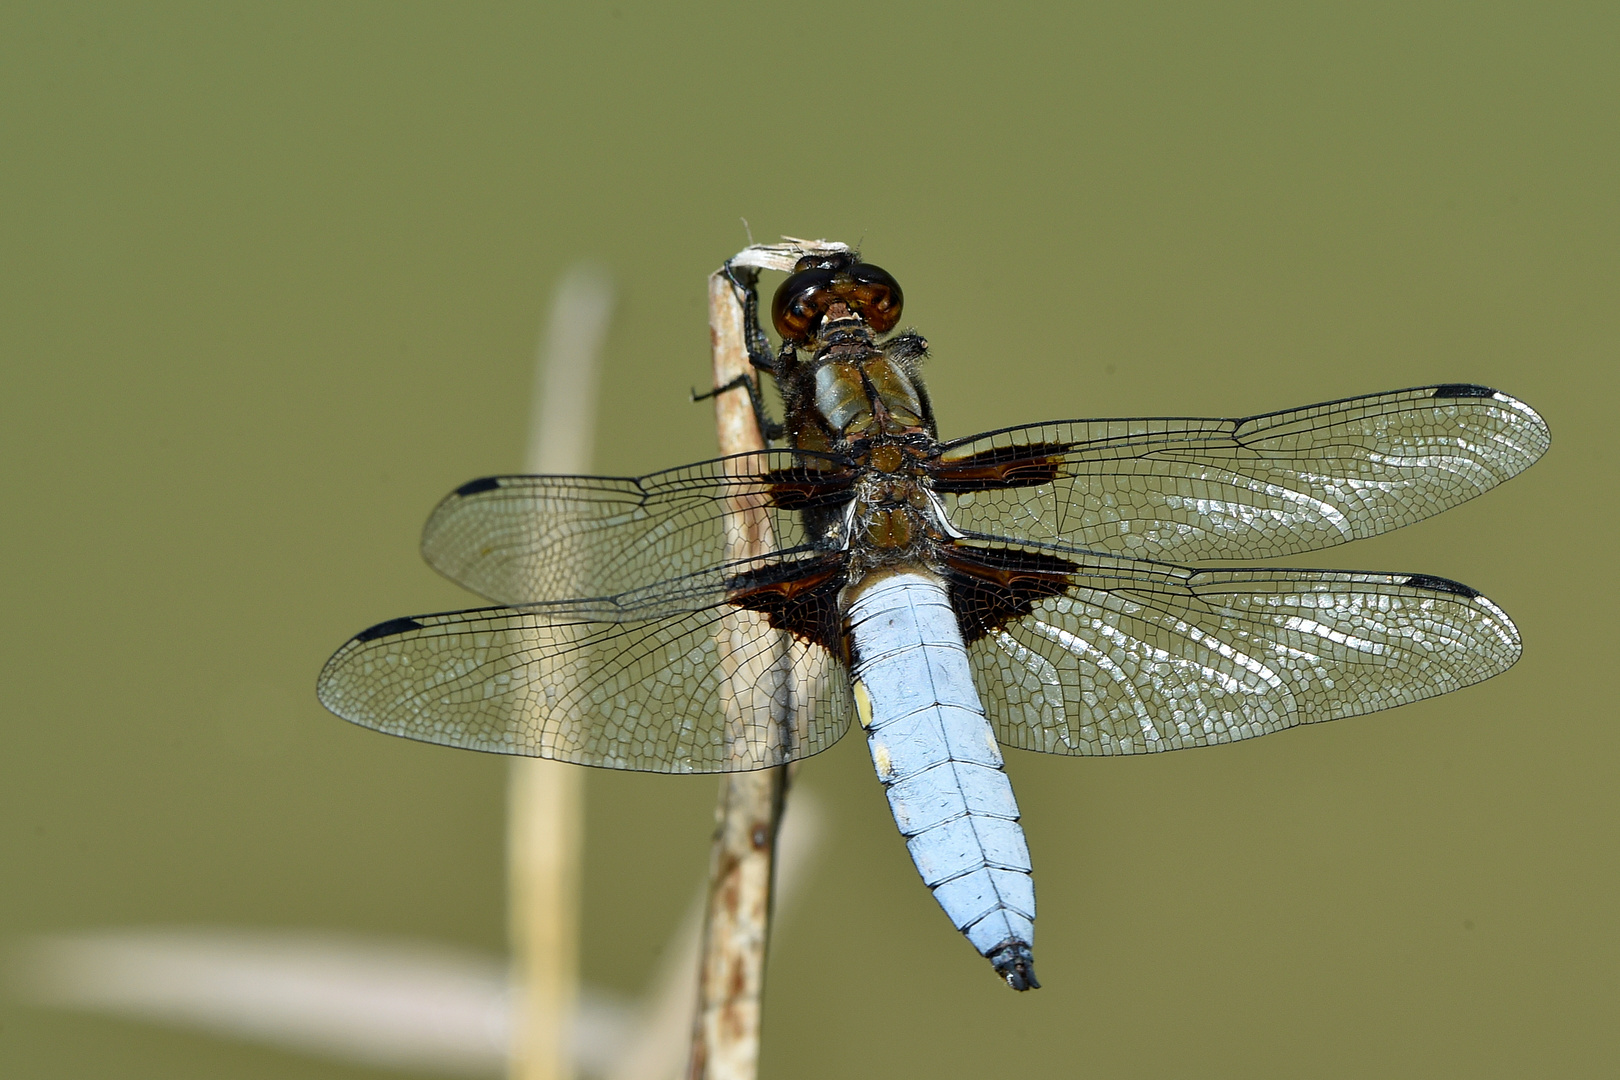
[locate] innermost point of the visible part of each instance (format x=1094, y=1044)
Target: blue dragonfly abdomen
x=938, y=759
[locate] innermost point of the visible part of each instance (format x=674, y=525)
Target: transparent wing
x=531, y=540
x=1141, y=657
x=1254, y=488
x=694, y=692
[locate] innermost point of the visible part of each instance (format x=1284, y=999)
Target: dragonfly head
x=820, y=284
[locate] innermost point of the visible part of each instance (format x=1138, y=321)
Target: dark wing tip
x=476, y=487
x=1015, y=962
x=1462, y=390
x=1440, y=584
x=387, y=629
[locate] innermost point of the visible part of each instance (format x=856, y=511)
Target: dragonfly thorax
x=859, y=399
x=894, y=518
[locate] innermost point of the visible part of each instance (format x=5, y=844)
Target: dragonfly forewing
x=530, y=540
x=1251, y=488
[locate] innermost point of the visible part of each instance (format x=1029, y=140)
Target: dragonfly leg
x=745, y=280
x=770, y=429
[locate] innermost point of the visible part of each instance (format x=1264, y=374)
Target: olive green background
x=271, y=278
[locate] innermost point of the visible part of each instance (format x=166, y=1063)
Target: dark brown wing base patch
x=990, y=586
x=802, y=488
x=800, y=597
x=1000, y=468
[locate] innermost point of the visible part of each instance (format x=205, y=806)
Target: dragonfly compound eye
x=800, y=303
x=803, y=299
x=875, y=296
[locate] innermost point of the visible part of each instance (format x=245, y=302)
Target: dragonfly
x=1034, y=587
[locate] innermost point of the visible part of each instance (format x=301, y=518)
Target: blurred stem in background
x=546, y=799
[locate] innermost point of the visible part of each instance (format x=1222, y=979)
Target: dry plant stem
x=731, y=973
x=546, y=799
x=662, y=1040
x=731, y=966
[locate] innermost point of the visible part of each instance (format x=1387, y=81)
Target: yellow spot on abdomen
x=880, y=759
x=863, y=705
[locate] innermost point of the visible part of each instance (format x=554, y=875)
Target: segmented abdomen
x=936, y=755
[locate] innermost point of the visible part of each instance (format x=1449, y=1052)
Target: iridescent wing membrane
x=652, y=695
x=632, y=547
x=1092, y=649
x=614, y=645
x=1122, y=655
x=1133, y=657
x=1252, y=488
